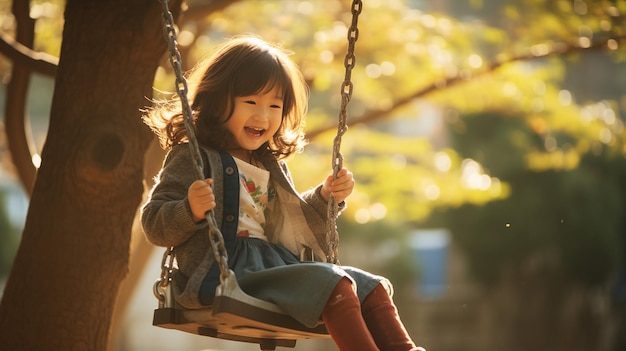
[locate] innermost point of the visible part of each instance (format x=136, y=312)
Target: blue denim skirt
x=272, y=273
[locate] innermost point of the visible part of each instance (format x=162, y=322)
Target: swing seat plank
x=172, y=318
x=237, y=316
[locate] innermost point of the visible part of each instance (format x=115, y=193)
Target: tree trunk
x=75, y=246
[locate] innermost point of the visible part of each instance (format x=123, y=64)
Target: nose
x=262, y=113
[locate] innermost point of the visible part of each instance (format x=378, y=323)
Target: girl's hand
x=339, y=188
x=201, y=198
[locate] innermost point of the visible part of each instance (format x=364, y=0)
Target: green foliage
x=569, y=221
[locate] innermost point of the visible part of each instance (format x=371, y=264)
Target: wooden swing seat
x=237, y=316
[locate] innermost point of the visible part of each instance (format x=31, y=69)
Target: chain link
x=332, y=237
x=215, y=236
x=160, y=286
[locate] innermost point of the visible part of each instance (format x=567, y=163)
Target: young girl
x=248, y=101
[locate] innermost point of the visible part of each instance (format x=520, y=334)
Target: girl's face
x=254, y=121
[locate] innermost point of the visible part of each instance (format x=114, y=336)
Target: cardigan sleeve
x=312, y=196
x=166, y=216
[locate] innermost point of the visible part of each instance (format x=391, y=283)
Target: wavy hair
x=242, y=66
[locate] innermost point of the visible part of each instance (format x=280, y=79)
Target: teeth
x=256, y=130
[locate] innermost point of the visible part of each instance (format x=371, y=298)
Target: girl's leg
x=381, y=317
x=344, y=322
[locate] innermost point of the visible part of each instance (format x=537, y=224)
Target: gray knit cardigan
x=167, y=221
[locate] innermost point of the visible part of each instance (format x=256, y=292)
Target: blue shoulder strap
x=230, y=215
x=230, y=220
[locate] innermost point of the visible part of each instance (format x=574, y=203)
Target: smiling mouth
x=257, y=132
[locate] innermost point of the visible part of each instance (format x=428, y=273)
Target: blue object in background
x=430, y=249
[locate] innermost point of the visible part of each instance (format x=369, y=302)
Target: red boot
x=383, y=322
x=344, y=322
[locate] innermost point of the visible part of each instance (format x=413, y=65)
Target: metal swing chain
x=332, y=237
x=215, y=236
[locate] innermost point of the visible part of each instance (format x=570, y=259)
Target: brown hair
x=242, y=66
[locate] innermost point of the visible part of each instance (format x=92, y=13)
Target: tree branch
x=564, y=50
x=197, y=12
x=19, y=139
x=36, y=61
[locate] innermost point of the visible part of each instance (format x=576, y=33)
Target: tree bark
x=140, y=251
x=75, y=246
